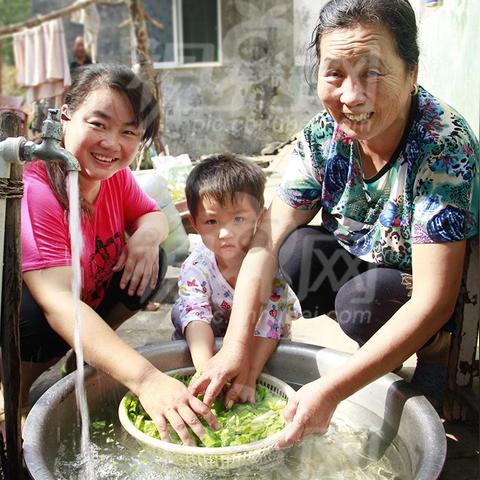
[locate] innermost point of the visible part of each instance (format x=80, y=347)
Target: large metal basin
x=407, y=416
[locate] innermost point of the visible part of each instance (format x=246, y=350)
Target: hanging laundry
x=90, y=19
x=41, y=60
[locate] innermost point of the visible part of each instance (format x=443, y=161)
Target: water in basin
x=360, y=451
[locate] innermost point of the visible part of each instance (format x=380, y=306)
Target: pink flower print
x=192, y=283
x=275, y=297
x=467, y=150
x=225, y=305
x=274, y=330
x=204, y=286
x=188, y=308
x=273, y=312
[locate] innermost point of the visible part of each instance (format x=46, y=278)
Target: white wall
x=305, y=16
x=449, y=39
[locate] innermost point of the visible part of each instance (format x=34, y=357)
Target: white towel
x=41, y=60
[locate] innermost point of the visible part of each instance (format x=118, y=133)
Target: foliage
x=12, y=11
x=243, y=423
x=8, y=82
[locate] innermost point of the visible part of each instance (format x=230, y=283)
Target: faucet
x=20, y=150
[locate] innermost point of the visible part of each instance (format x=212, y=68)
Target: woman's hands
x=167, y=400
x=139, y=258
x=308, y=411
x=244, y=389
x=228, y=365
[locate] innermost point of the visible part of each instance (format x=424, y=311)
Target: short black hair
x=221, y=177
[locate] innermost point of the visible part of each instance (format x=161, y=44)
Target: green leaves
x=242, y=424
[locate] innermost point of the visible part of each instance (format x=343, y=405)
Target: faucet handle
x=52, y=127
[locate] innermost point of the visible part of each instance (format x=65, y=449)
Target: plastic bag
x=175, y=170
x=176, y=245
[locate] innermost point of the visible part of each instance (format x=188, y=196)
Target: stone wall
x=257, y=95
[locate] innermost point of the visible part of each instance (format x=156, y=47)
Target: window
x=190, y=34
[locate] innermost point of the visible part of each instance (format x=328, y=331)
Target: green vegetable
x=243, y=423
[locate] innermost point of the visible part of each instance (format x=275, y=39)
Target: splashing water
x=80, y=393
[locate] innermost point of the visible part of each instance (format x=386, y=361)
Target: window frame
x=178, y=61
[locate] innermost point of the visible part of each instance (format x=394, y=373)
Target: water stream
x=87, y=468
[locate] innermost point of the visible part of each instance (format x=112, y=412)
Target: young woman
x=108, y=114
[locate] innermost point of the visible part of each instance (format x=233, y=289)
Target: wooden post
x=1, y=66
x=141, y=49
x=460, y=401
x=10, y=126
x=7, y=31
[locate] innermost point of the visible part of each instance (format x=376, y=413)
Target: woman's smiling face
x=363, y=82
x=102, y=133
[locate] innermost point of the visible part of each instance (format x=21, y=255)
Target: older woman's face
x=363, y=82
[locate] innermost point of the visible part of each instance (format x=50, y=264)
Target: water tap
x=19, y=150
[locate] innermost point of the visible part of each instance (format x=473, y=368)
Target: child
x=225, y=199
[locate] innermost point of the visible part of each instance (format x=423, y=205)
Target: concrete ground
x=147, y=327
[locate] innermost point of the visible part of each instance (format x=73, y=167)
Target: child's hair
x=221, y=177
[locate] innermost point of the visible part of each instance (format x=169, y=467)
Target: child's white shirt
x=205, y=295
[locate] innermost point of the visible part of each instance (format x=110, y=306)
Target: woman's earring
x=415, y=90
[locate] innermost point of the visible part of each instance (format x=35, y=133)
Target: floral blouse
x=427, y=193
x=205, y=295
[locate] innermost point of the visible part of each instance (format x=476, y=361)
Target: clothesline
x=41, y=60
x=9, y=30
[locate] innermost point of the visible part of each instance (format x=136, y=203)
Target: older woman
x=394, y=171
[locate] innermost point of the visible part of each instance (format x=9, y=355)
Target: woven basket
x=208, y=458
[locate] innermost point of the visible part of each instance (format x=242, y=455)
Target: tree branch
x=9, y=30
x=154, y=21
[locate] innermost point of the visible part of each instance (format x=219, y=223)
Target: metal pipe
x=20, y=150
x=10, y=296
x=14, y=151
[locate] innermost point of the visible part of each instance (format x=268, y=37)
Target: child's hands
x=225, y=366
x=243, y=392
x=244, y=385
